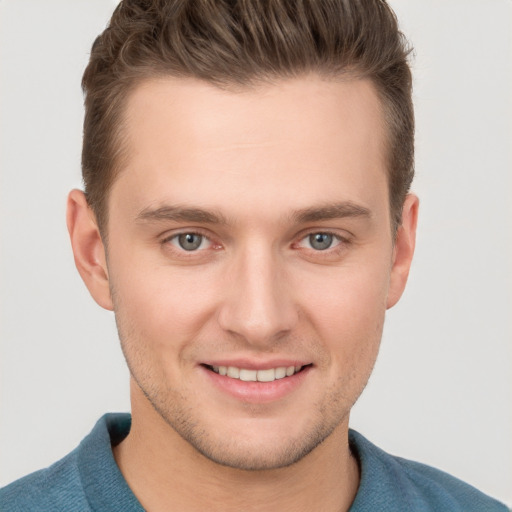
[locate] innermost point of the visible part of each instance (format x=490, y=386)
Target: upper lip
x=251, y=364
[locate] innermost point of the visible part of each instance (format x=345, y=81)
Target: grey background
x=442, y=389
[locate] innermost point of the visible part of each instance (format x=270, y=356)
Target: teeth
x=256, y=375
x=233, y=372
x=266, y=375
x=248, y=375
x=280, y=372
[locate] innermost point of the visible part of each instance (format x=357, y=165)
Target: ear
x=88, y=249
x=403, y=250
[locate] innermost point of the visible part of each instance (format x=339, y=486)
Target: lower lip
x=257, y=392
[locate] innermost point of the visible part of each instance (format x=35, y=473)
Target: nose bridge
x=258, y=306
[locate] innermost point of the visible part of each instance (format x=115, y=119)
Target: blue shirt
x=88, y=479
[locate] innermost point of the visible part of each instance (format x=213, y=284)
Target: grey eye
x=190, y=241
x=320, y=241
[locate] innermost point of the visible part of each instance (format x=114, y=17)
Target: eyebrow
x=313, y=214
x=331, y=211
x=181, y=214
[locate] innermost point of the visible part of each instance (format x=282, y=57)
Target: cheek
x=348, y=311
x=162, y=304
x=353, y=291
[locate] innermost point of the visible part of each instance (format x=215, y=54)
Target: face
x=251, y=261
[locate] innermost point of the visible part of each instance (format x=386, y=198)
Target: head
x=247, y=169
x=243, y=44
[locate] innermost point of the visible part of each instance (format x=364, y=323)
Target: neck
x=162, y=469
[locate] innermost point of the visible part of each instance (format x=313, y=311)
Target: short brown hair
x=239, y=43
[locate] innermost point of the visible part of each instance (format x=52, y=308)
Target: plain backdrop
x=441, y=392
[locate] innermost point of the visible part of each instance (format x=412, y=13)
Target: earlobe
x=88, y=248
x=403, y=250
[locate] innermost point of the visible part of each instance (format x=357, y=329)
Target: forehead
x=300, y=141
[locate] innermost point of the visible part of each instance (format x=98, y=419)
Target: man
x=246, y=216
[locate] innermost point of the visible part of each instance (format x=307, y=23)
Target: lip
x=256, y=392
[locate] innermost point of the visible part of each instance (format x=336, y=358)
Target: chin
x=256, y=445
x=262, y=456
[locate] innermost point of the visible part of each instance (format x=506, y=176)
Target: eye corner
x=319, y=240
x=335, y=248
x=191, y=243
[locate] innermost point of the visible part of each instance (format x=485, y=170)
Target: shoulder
x=55, y=488
x=440, y=489
x=394, y=483
x=87, y=479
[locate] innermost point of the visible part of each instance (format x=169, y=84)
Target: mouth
x=252, y=375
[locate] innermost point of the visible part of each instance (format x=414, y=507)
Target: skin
x=274, y=165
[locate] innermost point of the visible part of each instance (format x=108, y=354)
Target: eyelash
x=329, y=254
x=342, y=243
x=167, y=241
x=322, y=233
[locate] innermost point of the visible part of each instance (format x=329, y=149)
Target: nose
x=258, y=304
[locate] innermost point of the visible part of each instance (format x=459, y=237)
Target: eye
x=320, y=241
x=189, y=241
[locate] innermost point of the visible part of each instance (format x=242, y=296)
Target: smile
x=247, y=375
